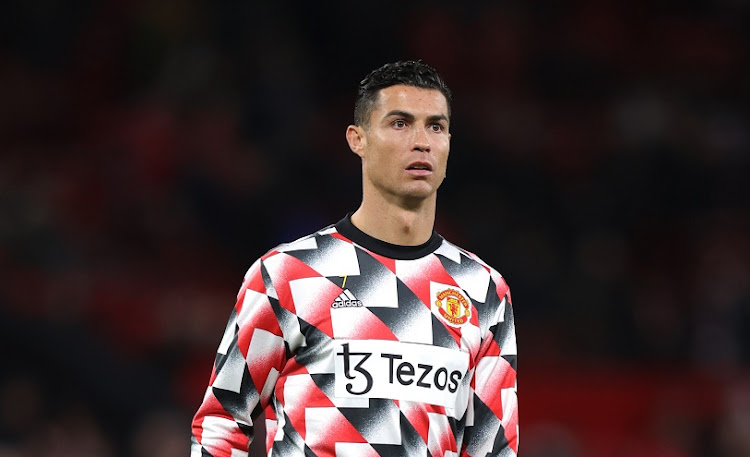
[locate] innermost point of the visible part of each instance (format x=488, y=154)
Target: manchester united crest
x=453, y=307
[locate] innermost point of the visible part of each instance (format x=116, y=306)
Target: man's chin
x=417, y=197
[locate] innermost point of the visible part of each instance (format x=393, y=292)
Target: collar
x=393, y=251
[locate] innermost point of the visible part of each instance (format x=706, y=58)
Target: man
x=374, y=336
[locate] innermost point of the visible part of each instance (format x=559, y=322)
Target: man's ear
x=355, y=136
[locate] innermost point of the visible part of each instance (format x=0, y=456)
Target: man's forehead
x=403, y=97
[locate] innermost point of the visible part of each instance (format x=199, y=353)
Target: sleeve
x=492, y=417
x=250, y=356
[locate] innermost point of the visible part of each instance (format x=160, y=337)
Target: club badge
x=453, y=307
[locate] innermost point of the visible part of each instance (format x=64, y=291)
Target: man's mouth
x=420, y=166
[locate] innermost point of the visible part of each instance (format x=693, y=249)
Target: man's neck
x=396, y=224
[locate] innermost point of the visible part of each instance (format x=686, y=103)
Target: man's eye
x=399, y=123
x=436, y=127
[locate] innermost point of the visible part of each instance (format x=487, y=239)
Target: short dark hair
x=409, y=73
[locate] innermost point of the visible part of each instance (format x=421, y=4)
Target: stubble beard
x=408, y=197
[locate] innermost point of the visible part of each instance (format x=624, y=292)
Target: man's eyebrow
x=437, y=118
x=410, y=117
x=399, y=113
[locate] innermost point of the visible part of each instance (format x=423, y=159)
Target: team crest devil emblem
x=453, y=307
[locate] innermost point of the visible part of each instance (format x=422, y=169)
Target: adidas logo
x=346, y=300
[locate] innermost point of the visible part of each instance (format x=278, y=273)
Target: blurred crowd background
x=151, y=150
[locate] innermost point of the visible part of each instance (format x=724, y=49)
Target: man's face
x=405, y=147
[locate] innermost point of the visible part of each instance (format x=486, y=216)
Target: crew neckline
x=384, y=248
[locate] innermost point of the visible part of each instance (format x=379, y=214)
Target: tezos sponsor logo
x=405, y=371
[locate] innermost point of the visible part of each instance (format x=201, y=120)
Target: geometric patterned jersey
x=356, y=347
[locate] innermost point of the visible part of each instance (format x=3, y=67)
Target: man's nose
x=421, y=141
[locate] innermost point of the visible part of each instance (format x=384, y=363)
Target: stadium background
x=150, y=151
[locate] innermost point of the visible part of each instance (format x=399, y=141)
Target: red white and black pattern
x=354, y=347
